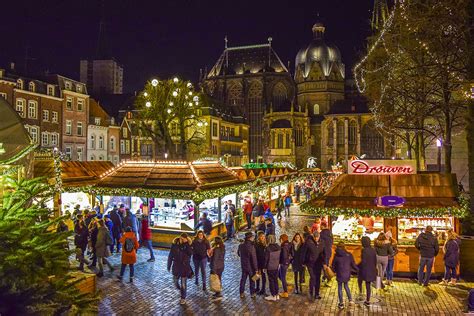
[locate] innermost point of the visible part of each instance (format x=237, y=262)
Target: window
x=122, y=146
x=31, y=86
x=54, y=116
x=68, y=127
x=331, y=134
x=280, y=141
x=79, y=153
x=127, y=146
x=32, y=109
x=125, y=132
x=92, y=142
x=67, y=85
x=101, y=157
x=340, y=133
x=316, y=109
x=352, y=133
x=287, y=140
x=79, y=88
x=50, y=90
x=280, y=95
x=112, y=143
x=20, y=107
x=69, y=152
x=79, y=128
x=54, y=139
x=214, y=129
x=34, y=133
x=92, y=158
x=96, y=120
x=80, y=104
x=44, y=139
x=19, y=84
x=45, y=115
x=299, y=137
x=3, y=95
x=69, y=103
x=101, y=142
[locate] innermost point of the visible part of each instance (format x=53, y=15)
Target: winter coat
x=383, y=248
x=269, y=214
x=217, y=259
x=117, y=221
x=129, y=257
x=297, y=257
x=81, y=236
x=261, y=227
x=272, y=257
x=110, y=227
x=368, y=263
x=451, y=254
x=131, y=221
x=343, y=264
x=248, y=208
x=179, y=258
x=200, y=248
x=427, y=244
x=288, y=200
x=93, y=236
x=326, y=236
x=248, y=257
x=313, y=251
x=206, y=225
x=258, y=210
x=270, y=229
x=101, y=247
x=145, y=229
x=260, y=250
x=285, y=256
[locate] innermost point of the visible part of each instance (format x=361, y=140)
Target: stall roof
x=169, y=175
x=270, y=174
x=419, y=190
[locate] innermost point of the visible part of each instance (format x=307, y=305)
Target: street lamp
x=438, y=144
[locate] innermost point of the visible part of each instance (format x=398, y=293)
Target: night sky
x=174, y=37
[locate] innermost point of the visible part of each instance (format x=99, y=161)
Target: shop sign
x=381, y=167
x=390, y=201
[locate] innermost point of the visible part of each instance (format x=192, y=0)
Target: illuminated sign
x=381, y=167
x=390, y=201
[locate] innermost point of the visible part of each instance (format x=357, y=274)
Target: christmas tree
x=34, y=258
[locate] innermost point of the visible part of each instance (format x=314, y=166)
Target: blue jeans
x=391, y=262
x=200, y=264
x=346, y=288
x=122, y=269
x=424, y=278
x=243, y=279
x=181, y=285
x=449, y=273
x=283, y=270
x=149, y=245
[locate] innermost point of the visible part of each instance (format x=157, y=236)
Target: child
x=129, y=252
x=342, y=265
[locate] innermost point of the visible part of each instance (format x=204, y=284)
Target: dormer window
x=97, y=121
x=67, y=85
x=78, y=88
x=31, y=86
x=50, y=90
x=19, y=84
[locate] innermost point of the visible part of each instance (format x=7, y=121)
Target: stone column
x=334, y=143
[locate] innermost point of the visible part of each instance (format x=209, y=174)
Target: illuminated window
x=68, y=127
x=19, y=84
x=101, y=142
x=20, y=107
x=54, y=116
x=44, y=139
x=92, y=141
x=80, y=104
x=32, y=109
x=31, y=87
x=316, y=109
x=45, y=115
x=112, y=143
x=79, y=128
x=69, y=103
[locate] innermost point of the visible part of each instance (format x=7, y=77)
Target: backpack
x=129, y=245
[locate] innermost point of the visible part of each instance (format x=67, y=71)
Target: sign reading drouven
x=381, y=167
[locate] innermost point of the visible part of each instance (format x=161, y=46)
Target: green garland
x=461, y=211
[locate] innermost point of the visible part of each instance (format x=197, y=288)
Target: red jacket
x=248, y=208
x=129, y=257
x=145, y=234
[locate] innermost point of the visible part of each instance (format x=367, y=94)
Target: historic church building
x=313, y=113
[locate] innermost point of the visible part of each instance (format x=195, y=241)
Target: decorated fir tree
x=34, y=259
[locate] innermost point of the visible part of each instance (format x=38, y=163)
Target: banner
x=381, y=167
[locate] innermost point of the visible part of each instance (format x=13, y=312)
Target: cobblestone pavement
x=154, y=293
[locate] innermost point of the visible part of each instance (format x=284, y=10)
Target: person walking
x=367, y=268
x=116, y=219
x=248, y=262
x=129, y=254
x=217, y=255
x=279, y=206
x=80, y=241
x=179, y=263
x=314, y=260
x=297, y=192
x=451, y=259
x=272, y=263
x=342, y=265
x=93, y=230
x=248, y=209
x=285, y=260
x=383, y=249
x=102, y=250
x=269, y=215
x=229, y=222
x=110, y=227
x=297, y=262
x=205, y=224
x=428, y=246
x=391, y=261
x=269, y=227
x=200, y=247
x=326, y=236
x=145, y=237
x=260, y=246
x=287, y=202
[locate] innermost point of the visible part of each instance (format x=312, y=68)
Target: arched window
x=340, y=133
x=352, y=133
x=32, y=109
x=101, y=157
x=371, y=141
x=279, y=96
x=316, y=109
x=92, y=142
x=101, y=142
x=19, y=84
x=299, y=136
x=280, y=140
x=330, y=134
x=234, y=95
x=92, y=158
x=31, y=86
x=112, y=143
x=255, y=116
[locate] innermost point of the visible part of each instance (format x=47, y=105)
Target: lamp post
x=439, y=144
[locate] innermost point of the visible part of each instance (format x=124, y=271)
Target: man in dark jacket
x=248, y=262
x=367, y=267
x=314, y=257
x=205, y=224
x=179, y=259
x=327, y=238
x=117, y=227
x=428, y=246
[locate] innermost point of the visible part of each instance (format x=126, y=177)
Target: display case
x=353, y=228
x=171, y=213
x=410, y=228
x=211, y=208
x=275, y=192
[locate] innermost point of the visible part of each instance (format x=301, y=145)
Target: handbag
x=329, y=273
x=215, y=283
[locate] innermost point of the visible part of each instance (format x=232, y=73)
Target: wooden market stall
x=351, y=208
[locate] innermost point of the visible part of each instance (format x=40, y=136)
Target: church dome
x=318, y=50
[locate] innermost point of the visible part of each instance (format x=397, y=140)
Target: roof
x=169, y=175
x=247, y=59
x=349, y=106
x=14, y=139
x=113, y=103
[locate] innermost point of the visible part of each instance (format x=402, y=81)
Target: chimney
x=12, y=66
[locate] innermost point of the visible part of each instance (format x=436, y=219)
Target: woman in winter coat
x=272, y=263
x=129, y=252
x=297, y=262
x=451, y=258
x=200, y=248
x=102, y=250
x=80, y=241
x=391, y=261
x=145, y=237
x=217, y=254
x=367, y=267
x=342, y=265
x=260, y=246
x=285, y=259
x=179, y=263
x=110, y=226
x=383, y=249
x=93, y=230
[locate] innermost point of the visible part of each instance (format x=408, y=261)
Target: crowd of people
x=314, y=185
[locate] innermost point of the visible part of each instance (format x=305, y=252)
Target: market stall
x=402, y=204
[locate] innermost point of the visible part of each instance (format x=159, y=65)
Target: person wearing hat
x=179, y=263
x=428, y=246
x=248, y=262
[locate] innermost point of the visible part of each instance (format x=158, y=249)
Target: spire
x=102, y=49
x=269, y=51
x=379, y=14
x=226, y=52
